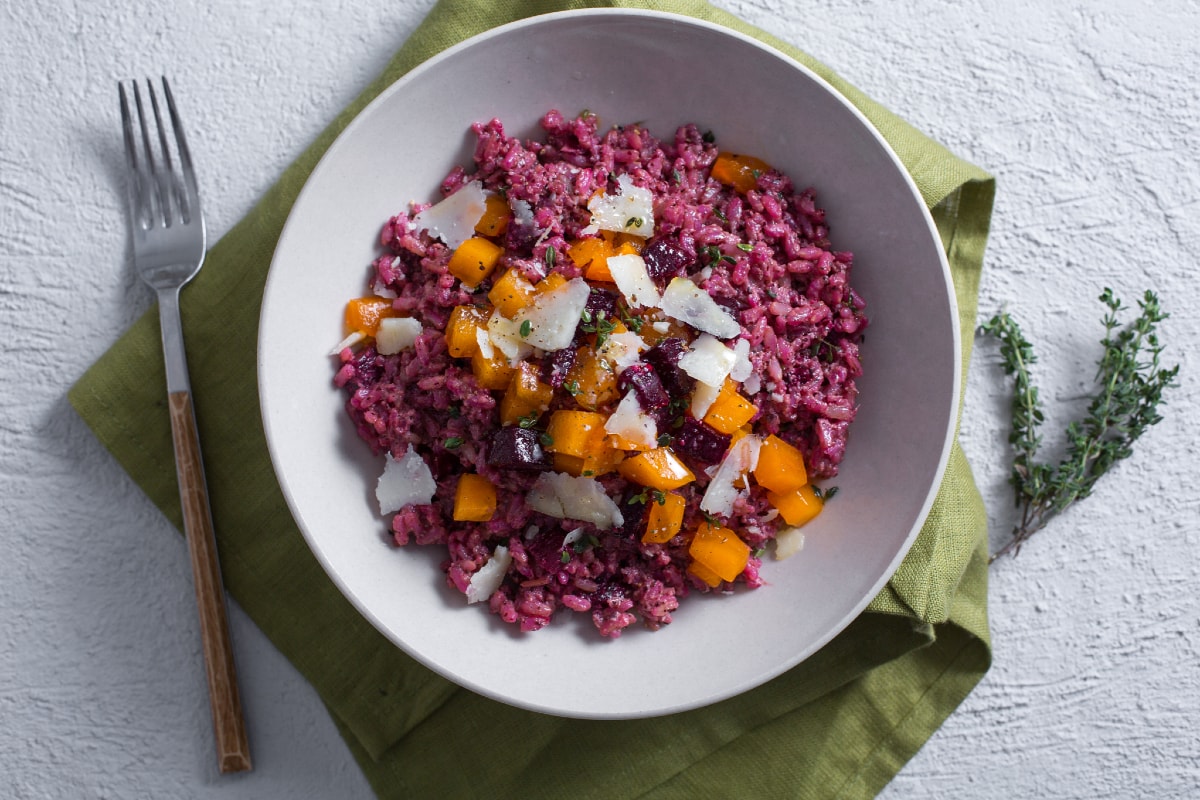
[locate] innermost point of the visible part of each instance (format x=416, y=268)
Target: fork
x=167, y=227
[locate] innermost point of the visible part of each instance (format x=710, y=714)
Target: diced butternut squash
x=474, y=260
x=704, y=573
x=551, y=281
x=664, y=518
x=739, y=171
x=780, y=466
x=659, y=468
x=510, y=293
x=624, y=243
x=730, y=410
x=576, y=433
x=491, y=373
x=363, y=314
x=591, y=254
x=591, y=466
x=797, y=507
x=591, y=379
x=526, y=394
x=719, y=548
x=474, y=499
x=619, y=442
x=461, y=338
x=495, y=217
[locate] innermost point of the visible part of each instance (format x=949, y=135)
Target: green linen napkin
x=839, y=725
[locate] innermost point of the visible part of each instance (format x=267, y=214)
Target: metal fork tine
x=191, y=196
x=148, y=175
x=169, y=190
x=137, y=205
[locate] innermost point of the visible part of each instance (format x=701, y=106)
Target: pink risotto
x=606, y=370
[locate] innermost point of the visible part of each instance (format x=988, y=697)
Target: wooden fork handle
x=233, y=748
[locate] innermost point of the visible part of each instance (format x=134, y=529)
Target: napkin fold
x=841, y=724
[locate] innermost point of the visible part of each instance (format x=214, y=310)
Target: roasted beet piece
x=645, y=381
x=546, y=551
x=665, y=259
x=557, y=365
x=517, y=448
x=634, y=514
x=664, y=357
x=699, y=441
x=602, y=302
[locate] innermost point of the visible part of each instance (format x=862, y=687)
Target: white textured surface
x=1086, y=112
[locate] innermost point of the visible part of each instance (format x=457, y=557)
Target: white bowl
x=663, y=71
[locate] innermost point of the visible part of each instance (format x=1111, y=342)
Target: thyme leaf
x=1129, y=388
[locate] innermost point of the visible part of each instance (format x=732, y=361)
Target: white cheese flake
x=487, y=580
x=622, y=350
x=708, y=360
x=553, y=316
x=564, y=496
x=484, y=340
x=404, y=481
x=723, y=491
x=633, y=280
x=788, y=542
x=351, y=340
x=396, y=334
x=631, y=423
x=631, y=210
x=688, y=303
x=741, y=365
x=453, y=219
x=505, y=335
x=703, y=396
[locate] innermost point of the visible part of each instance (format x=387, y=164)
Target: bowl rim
x=415, y=74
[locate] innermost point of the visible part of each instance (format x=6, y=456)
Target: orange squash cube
x=551, y=281
x=590, y=466
x=363, y=314
x=576, y=433
x=797, y=507
x=510, y=293
x=704, y=573
x=461, y=337
x=495, y=217
x=719, y=549
x=474, y=260
x=730, y=410
x=739, y=171
x=491, y=373
x=592, y=379
x=474, y=499
x=664, y=519
x=780, y=466
x=526, y=394
x=659, y=468
x=591, y=255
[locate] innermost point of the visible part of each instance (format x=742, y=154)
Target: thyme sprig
x=1130, y=383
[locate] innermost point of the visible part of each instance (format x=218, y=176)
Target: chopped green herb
x=676, y=176
x=708, y=137
x=546, y=439
x=711, y=520
x=454, y=442
x=551, y=257
x=824, y=494
x=587, y=473
x=720, y=214
x=529, y=420
x=572, y=387
x=660, y=496
x=634, y=222
x=565, y=557
x=455, y=410
x=640, y=498
x=526, y=327
x=745, y=248
x=586, y=316
x=664, y=440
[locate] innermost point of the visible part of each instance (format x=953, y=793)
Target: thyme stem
x=1131, y=385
